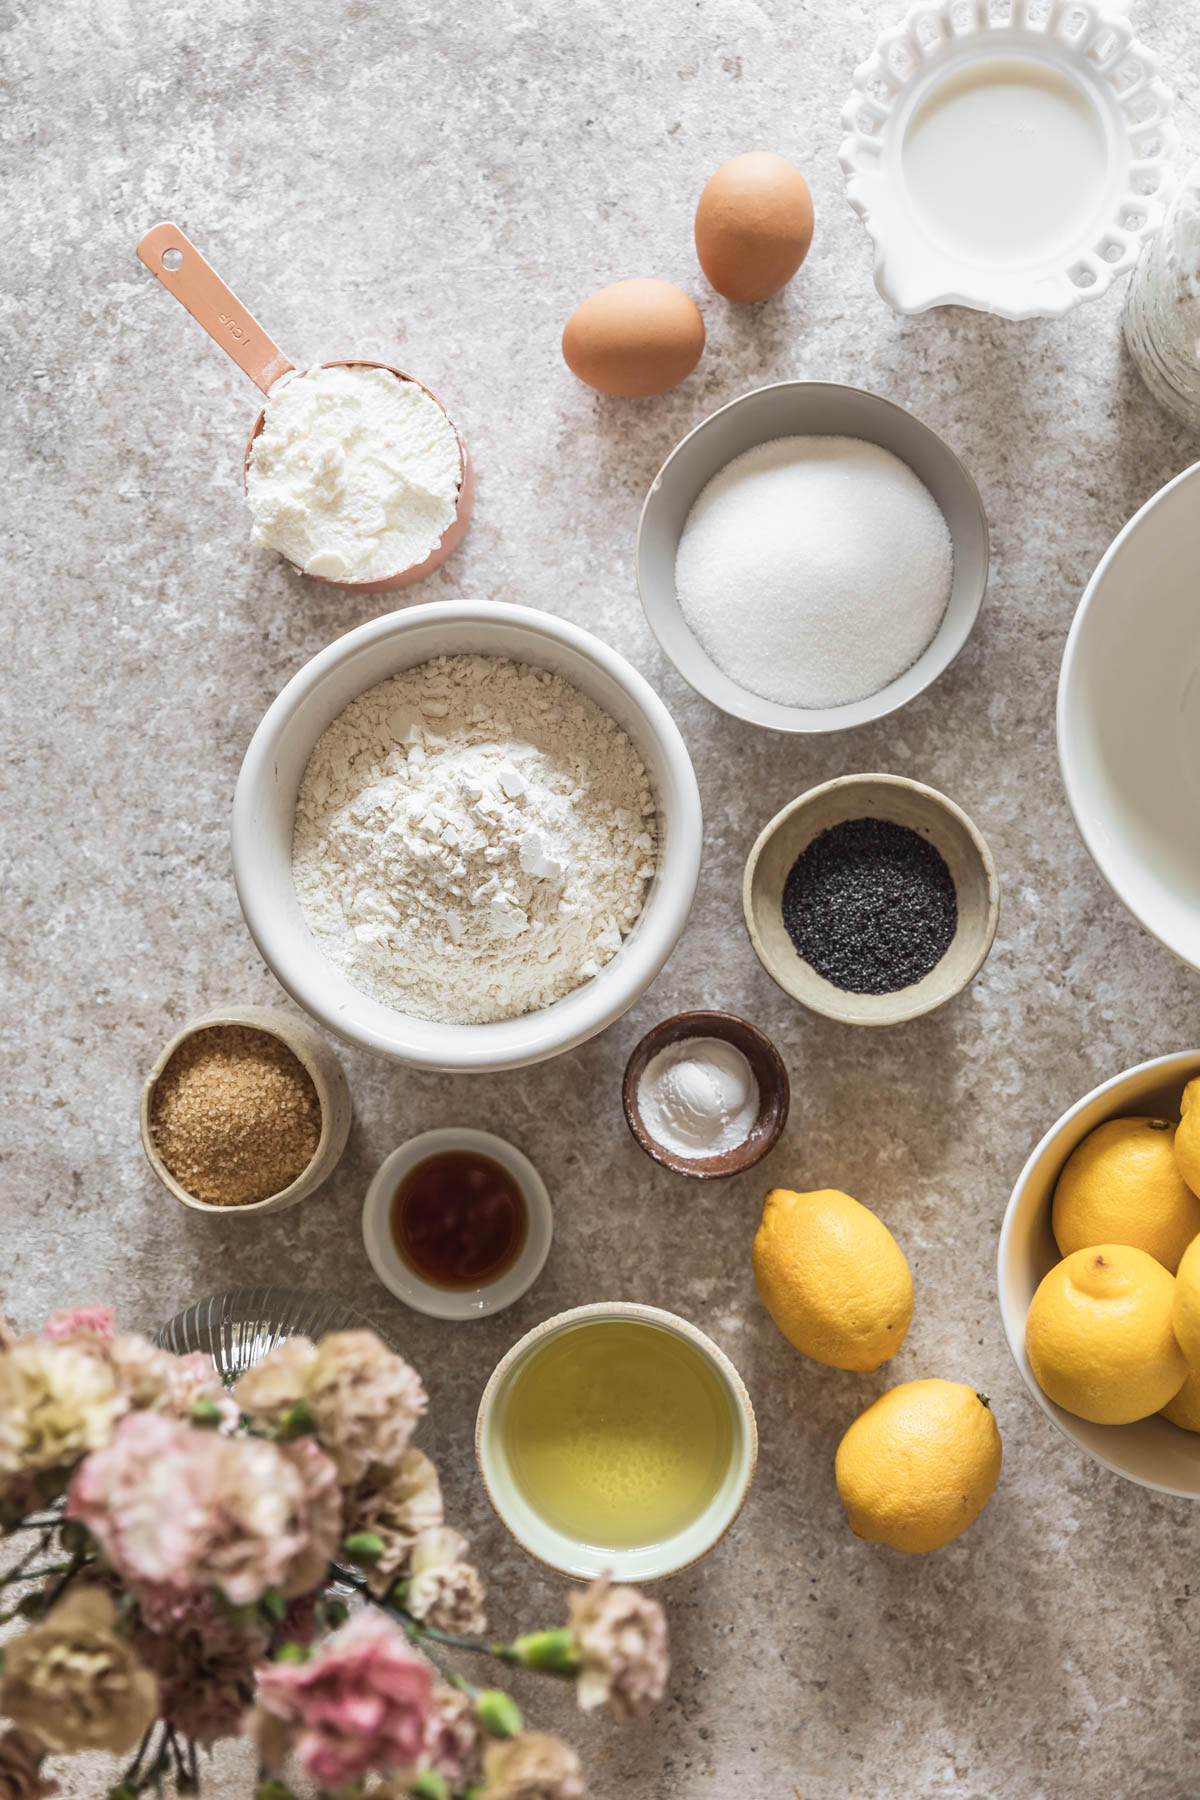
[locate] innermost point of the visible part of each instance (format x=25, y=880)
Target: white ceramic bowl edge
x=1090, y=43
x=650, y=1563
x=1128, y=716
x=264, y=807
x=1152, y=1452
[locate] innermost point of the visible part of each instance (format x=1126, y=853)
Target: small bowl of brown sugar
x=246, y=1110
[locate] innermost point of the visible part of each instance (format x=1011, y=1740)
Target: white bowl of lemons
x=1099, y=1274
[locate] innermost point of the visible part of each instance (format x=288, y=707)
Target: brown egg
x=633, y=338
x=754, y=224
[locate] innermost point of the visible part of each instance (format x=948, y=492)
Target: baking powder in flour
x=355, y=473
x=473, y=840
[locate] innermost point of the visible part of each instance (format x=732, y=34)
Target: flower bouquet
x=189, y=1563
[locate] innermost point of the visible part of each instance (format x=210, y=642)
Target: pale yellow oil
x=617, y=1433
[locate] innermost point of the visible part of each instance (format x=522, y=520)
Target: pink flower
x=193, y=1613
x=149, y=1499
x=362, y=1704
x=363, y=1400
x=454, y=1738
x=186, y=1508
x=396, y=1505
x=443, y=1588
x=620, y=1637
x=532, y=1766
x=203, y=1691
x=81, y=1321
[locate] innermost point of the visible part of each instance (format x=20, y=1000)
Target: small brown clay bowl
x=774, y=1091
x=454, y=533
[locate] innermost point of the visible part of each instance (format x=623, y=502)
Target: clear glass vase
x=237, y=1328
x=1162, y=307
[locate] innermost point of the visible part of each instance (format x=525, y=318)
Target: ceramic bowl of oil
x=457, y=1223
x=618, y=1437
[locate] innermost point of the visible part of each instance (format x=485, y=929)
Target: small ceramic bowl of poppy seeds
x=871, y=899
x=246, y=1110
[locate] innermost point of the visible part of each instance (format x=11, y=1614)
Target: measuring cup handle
x=184, y=272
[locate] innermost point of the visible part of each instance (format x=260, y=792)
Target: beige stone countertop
x=439, y=186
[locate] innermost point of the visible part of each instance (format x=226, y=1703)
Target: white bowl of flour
x=377, y=860
x=812, y=556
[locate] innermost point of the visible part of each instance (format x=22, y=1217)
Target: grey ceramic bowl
x=802, y=409
x=904, y=802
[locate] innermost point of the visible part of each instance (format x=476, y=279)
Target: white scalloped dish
x=1007, y=155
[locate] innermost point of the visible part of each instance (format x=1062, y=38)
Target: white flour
x=354, y=475
x=473, y=840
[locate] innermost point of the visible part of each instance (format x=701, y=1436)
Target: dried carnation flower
x=20, y=1768
x=220, y=1631
x=170, y=1504
x=532, y=1766
x=620, y=1638
x=362, y=1702
x=396, y=1504
x=443, y=1588
x=363, y=1400
x=74, y=1683
x=81, y=1322
x=454, y=1741
x=203, y=1690
x=157, y=1381
x=57, y=1402
x=277, y=1383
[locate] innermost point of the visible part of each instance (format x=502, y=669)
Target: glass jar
x=1162, y=307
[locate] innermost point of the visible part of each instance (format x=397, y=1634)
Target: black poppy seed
x=870, y=905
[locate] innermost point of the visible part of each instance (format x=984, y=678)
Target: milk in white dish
x=1006, y=161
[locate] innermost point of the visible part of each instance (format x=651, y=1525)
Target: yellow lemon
x=1187, y=1137
x=1186, y=1315
x=1121, y=1186
x=919, y=1465
x=1099, y=1335
x=1184, y=1409
x=833, y=1278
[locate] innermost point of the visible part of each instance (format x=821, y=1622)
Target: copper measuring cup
x=169, y=256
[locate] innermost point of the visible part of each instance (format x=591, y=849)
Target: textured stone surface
x=440, y=187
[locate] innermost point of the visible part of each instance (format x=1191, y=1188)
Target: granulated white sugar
x=814, y=570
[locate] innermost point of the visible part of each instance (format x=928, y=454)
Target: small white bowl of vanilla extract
x=457, y=1223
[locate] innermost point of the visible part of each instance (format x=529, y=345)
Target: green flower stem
x=60, y=1587
x=26, y=1574
x=131, y=1773
x=18, y=1572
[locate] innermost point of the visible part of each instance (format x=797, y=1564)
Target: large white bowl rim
x=1120, y=871
x=264, y=808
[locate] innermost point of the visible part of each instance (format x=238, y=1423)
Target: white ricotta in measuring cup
x=355, y=473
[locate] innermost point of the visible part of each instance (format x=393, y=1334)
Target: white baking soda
x=814, y=570
x=698, y=1098
x=1006, y=161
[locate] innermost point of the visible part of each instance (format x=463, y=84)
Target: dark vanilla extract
x=459, y=1220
